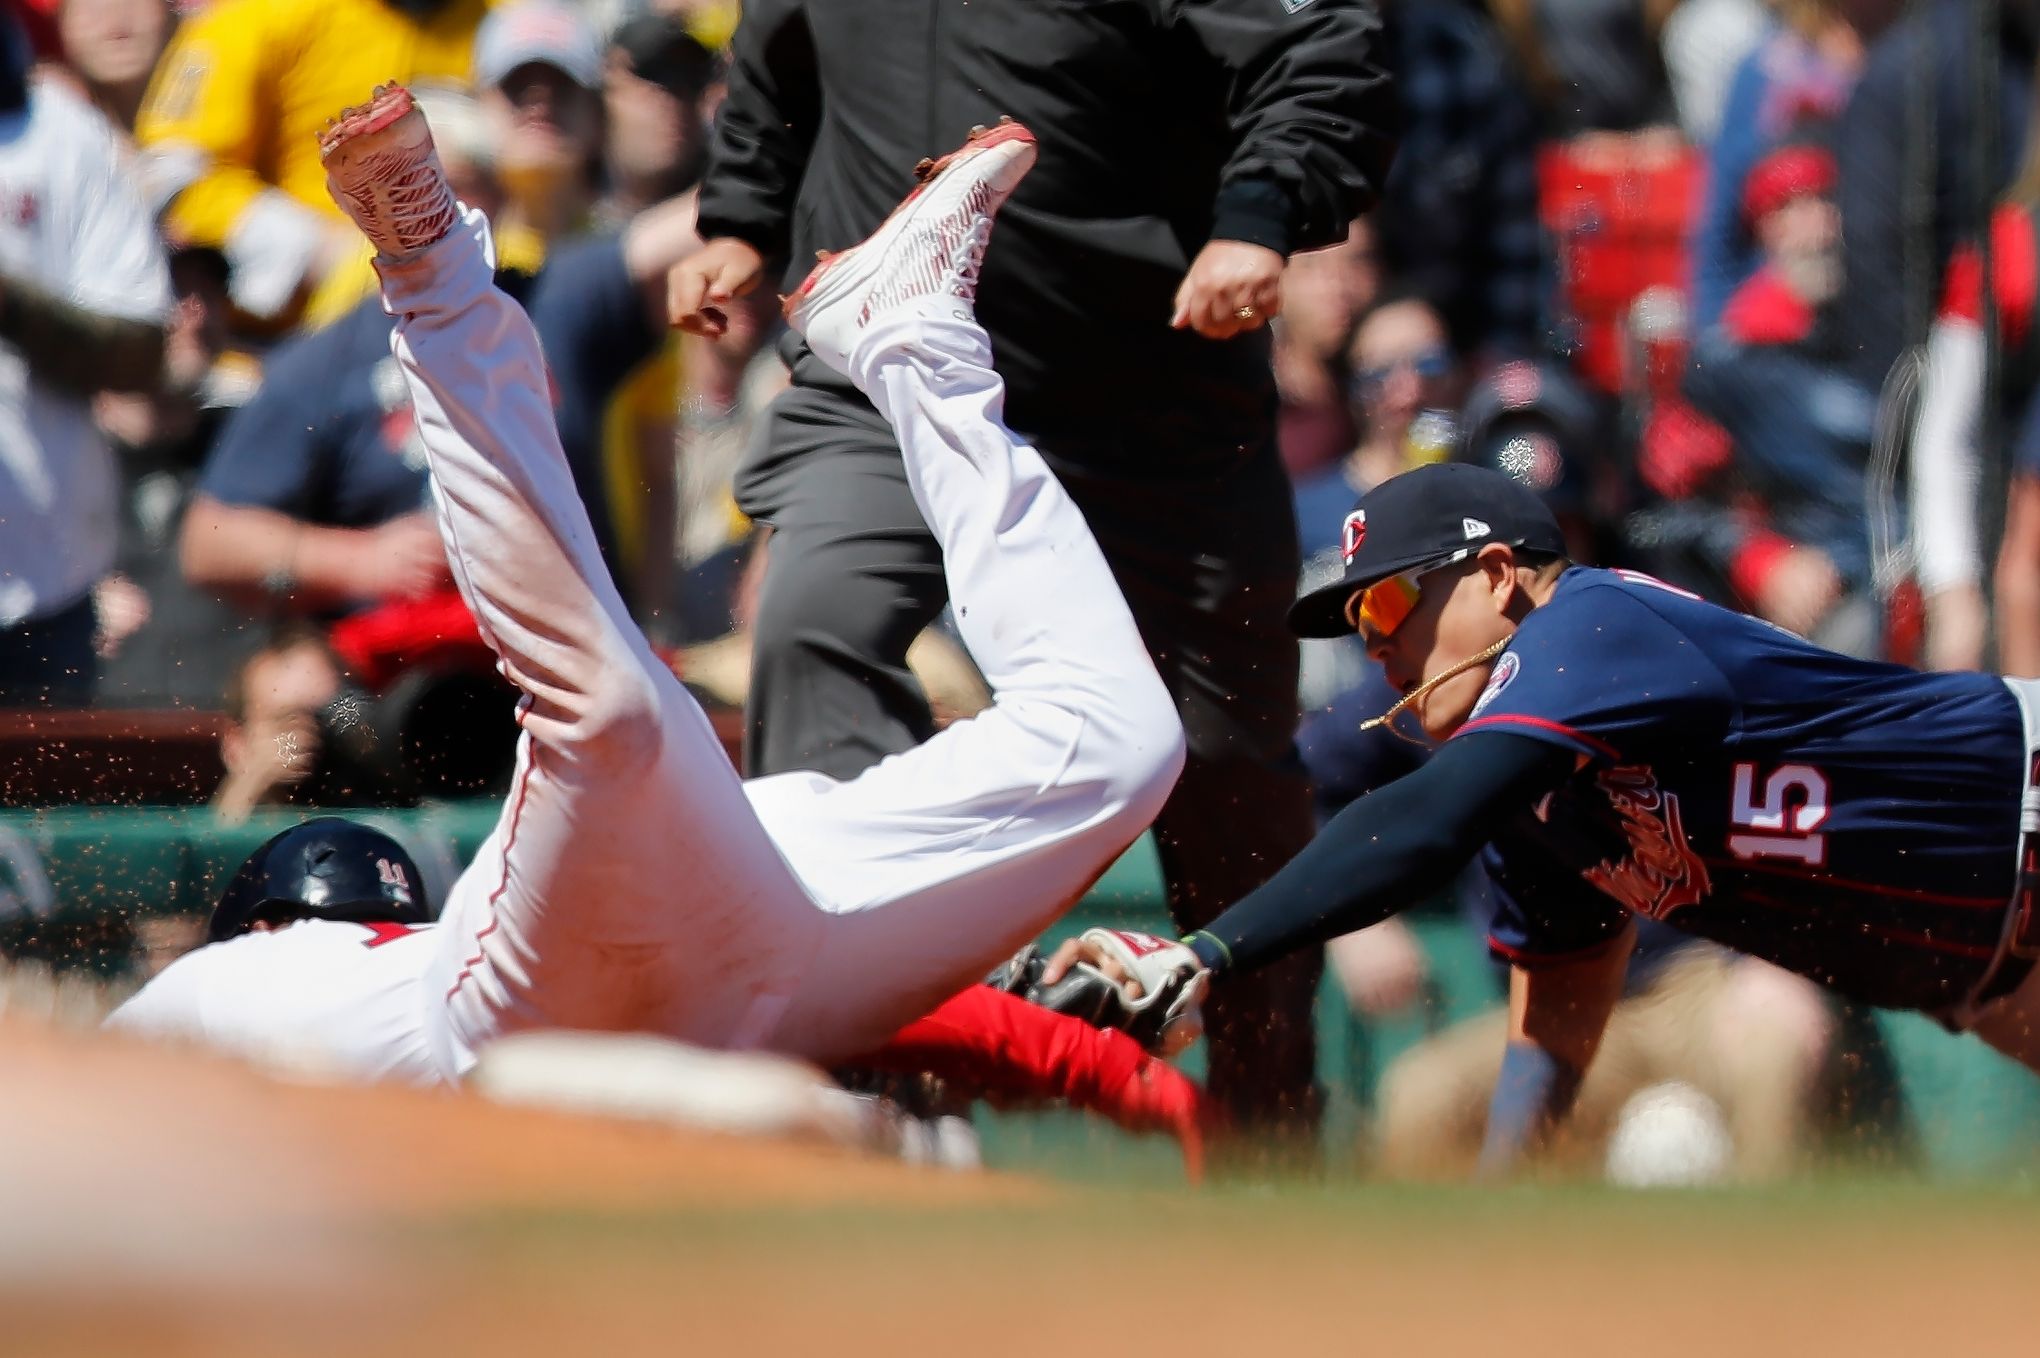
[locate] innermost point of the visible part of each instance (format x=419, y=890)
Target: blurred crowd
x=1746, y=288
x=212, y=493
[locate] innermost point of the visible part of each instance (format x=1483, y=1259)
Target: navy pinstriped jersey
x=1853, y=821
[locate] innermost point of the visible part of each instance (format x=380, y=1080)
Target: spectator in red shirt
x=1788, y=204
x=1800, y=430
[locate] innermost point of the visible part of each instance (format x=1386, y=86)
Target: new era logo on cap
x=1474, y=528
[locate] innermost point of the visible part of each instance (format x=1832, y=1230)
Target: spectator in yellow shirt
x=228, y=129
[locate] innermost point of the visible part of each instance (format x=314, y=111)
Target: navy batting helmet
x=327, y=868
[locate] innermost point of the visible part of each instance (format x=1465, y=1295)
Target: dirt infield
x=162, y=1204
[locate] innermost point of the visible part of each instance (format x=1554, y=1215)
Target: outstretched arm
x=1393, y=847
x=1557, y=1013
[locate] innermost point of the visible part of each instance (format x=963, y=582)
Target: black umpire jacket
x=1163, y=124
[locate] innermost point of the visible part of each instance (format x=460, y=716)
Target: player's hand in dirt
x=406, y=559
x=1232, y=287
x=701, y=285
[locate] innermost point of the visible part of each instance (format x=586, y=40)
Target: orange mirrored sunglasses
x=1384, y=605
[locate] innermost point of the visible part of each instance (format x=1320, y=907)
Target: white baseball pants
x=634, y=882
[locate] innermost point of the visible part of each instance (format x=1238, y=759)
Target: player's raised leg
x=940, y=861
x=628, y=884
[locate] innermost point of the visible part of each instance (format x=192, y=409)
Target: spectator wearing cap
x=1800, y=73
x=1537, y=425
x=655, y=92
x=1789, y=210
x=1405, y=387
x=539, y=74
x=84, y=293
x=1799, y=428
x=229, y=129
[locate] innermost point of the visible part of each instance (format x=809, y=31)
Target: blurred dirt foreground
x=158, y=1202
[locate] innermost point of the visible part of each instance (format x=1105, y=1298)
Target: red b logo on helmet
x=1353, y=535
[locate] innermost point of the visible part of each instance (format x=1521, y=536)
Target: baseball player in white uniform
x=634, y=882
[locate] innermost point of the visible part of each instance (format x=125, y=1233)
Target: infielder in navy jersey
x=1613, y=746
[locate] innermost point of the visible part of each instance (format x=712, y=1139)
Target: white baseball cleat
x=382, y=170
x=931, y=246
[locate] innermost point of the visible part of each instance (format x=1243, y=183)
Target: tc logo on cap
x=1354, y=533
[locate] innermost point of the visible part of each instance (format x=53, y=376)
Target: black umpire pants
x=1204, y=547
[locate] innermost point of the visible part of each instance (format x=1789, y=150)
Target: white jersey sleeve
x=336, y=998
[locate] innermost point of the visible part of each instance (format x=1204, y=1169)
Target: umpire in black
x=1187, y=148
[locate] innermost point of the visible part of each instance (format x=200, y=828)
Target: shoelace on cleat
x=967, y=260
x=415, y=201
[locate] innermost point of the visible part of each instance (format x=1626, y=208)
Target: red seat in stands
x=1619, y=212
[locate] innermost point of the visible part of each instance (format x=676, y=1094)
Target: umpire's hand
x=701, y=285
x=1232, y=287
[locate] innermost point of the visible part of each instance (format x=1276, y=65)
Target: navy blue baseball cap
x=1427, y=517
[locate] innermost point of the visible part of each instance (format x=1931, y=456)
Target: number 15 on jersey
x=1783, y=820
